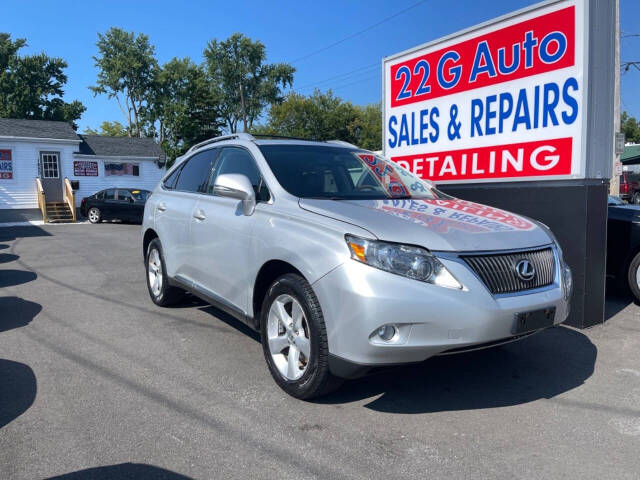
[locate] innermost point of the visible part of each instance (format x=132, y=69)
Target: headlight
x=405, y=260
x=567, y=283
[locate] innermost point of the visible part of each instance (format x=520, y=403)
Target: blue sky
x=289, y=30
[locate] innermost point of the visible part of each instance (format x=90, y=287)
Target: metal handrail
x=70, y=197
x=240, y=136
x=42, y=204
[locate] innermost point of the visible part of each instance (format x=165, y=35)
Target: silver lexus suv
x=344, y=261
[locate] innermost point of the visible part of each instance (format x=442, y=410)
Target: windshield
x=311, y=171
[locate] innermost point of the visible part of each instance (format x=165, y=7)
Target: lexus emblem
x=525, y=270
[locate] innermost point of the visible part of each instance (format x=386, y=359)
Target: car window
x=238, y=160
x=170, y=182
x=140, y=195
x=195, y=174
x=100, y=195
x=124, y=195
x=110, y=194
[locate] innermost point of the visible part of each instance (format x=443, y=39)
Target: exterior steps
x=59, y=212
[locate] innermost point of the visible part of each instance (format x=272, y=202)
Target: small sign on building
x=82, y=168
x=6, y=165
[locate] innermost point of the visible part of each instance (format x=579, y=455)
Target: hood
x=436, y=224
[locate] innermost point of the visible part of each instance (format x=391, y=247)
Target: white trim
x=116, y=158
x=38, y=139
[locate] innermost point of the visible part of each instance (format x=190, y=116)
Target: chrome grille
x=498, y=271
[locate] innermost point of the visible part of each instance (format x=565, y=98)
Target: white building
x=52, y=151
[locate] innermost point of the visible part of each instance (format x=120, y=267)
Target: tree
x=32, y=86
x=244, y=83
x=111, y=129
x=184, y=107
x=323, y=116
x=631, y=128
x=127, y=69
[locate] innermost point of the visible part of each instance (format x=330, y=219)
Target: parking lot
x=98, y=382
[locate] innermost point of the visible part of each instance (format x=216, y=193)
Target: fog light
x=387, y=332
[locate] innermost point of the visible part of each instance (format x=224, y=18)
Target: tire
x=161, y=293
x=633, y=278
x=309, y=376
x=94, y=215
x=635, y=199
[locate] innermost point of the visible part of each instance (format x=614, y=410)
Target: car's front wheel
x=294, y=339
x=160, y=291
x=94, y=215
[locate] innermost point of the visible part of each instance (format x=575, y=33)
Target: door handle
x=199, y=215
x=162, y=207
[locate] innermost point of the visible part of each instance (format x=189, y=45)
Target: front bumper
x=356, y=299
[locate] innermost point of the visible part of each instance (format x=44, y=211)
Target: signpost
x=517, y=113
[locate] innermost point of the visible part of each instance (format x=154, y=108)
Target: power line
x=349, y=79
x=340, y=76
x=360, y=32
x=338, y=87
x=625, y=66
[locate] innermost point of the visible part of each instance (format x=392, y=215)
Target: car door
x=221, y=236
x=124, y=206
x=109, y=206
x=137, y=205
x=174, y=206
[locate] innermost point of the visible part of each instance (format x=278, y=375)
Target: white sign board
x=504, y=101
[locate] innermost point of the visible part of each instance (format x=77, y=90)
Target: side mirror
x=238, y=186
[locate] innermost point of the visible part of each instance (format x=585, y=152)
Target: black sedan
x=623, y=245
x=125, y=204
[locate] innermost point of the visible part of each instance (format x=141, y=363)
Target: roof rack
x=342, y=142
x=239, y=136
x=284, y=137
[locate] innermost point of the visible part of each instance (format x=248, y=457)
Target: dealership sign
x=500, y=102
x=6, y=165
x=82, y=168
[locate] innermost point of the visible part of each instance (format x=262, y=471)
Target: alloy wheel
x=94, y=215
x=154, y=269
x=288, y=337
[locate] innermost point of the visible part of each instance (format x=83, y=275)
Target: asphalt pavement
x=98, y=382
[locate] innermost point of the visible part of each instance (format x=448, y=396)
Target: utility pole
x=614, y=184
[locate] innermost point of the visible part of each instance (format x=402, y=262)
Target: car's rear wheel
x=160, y=291
x=294, y=339
x=635, y=199
x=94, y=215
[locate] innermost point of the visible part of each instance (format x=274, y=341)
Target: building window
x=49, y=165
x=121, y=168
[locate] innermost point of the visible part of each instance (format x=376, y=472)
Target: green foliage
x=110, y=129
x=184, y=107
x=32, y=86
x=244, y=84
x=631, y=128
x=323, y=116
x=127, y=69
